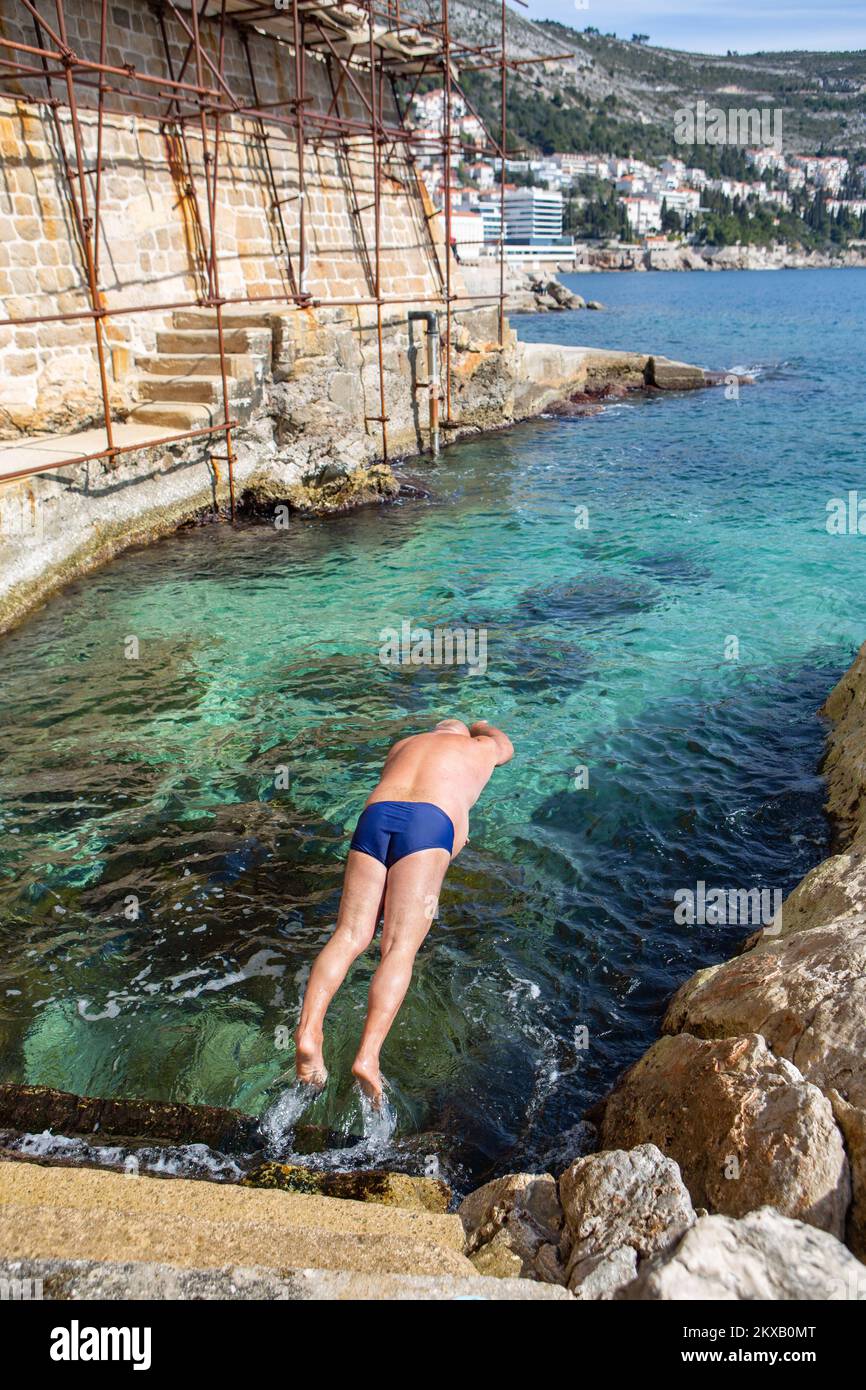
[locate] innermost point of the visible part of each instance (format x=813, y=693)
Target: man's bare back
x=399, y=856
x=449, y=767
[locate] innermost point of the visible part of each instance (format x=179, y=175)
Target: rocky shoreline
x=679, y=256
x=732, y=1155
x=529, y=289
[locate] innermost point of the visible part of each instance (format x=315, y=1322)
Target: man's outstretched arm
x=504, y=746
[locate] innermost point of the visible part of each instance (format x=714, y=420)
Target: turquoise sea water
x=148, y=785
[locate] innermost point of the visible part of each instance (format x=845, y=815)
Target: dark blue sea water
x=149, y=784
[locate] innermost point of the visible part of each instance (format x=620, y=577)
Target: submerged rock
x=374, y=1185
x=744, y=1126
x=590, y=401
x=761, y=1256
x=32, y=1109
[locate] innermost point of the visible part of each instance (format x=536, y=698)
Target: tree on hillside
x=671, y=220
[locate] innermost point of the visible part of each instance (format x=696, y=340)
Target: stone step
x=175, y=415
x=111, y=1279
x=192, y=1242
x=233, y=317
x=90, y=1189
x=197, y=341
x=241, y=365
x=205, y=389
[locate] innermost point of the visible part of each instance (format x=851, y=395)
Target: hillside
x=613, y=95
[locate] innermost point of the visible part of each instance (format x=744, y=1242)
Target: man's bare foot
x=309, y=1061
x=369, y=1078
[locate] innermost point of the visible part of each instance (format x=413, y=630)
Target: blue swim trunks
x=389, y=830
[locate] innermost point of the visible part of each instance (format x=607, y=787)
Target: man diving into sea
x=413, y=824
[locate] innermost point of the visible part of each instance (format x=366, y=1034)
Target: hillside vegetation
x=611, y=95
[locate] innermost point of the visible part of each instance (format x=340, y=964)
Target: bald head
x=451, y=726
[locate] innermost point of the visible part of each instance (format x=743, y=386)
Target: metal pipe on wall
x=431, y=319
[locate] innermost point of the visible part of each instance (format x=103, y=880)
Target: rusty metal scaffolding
x=364, y=44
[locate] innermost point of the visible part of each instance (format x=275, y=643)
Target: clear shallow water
x=259, y=649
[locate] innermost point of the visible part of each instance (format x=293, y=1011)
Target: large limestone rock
x=845, y=759
x=834, y=888
x=514, y=1227
x=744, y=1126
x=620, y=1207
x=852, y=1122
x=600, y=1278
x=762, y=1256
x=618, y=1197
x=805, y=993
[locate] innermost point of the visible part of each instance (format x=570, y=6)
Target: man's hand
x=503, y=745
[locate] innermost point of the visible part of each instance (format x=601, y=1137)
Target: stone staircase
x=155, y=1237
x=181, y=385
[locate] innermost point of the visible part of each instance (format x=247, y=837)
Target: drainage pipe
x=432, y=321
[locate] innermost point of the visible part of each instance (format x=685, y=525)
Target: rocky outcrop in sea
x=675, y=255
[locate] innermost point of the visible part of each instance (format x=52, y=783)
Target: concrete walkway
x=53, y=450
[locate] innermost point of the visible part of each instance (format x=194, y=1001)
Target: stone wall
x=153, y=211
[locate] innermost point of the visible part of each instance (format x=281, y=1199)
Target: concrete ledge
x=89, y=1279
x=97, y=1194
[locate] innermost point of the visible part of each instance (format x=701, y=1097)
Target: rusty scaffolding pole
x=194, y=92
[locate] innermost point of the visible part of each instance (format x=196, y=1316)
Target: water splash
x=278, y=1122
x=378, y=1122
x=169, y=1160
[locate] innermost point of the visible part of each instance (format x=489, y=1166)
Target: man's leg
x=410, y=902
x=360, y=904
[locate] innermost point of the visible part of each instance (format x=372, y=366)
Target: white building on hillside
x=681, y=200
x=467, y=233
x=576, y=166
x=429, y=110
x=533, y=216
x=644, y=214
x=491, y=223
x=856, y=206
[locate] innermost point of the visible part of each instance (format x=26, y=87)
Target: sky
x=714, y=26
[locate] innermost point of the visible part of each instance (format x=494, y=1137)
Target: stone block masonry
x=153, y=210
